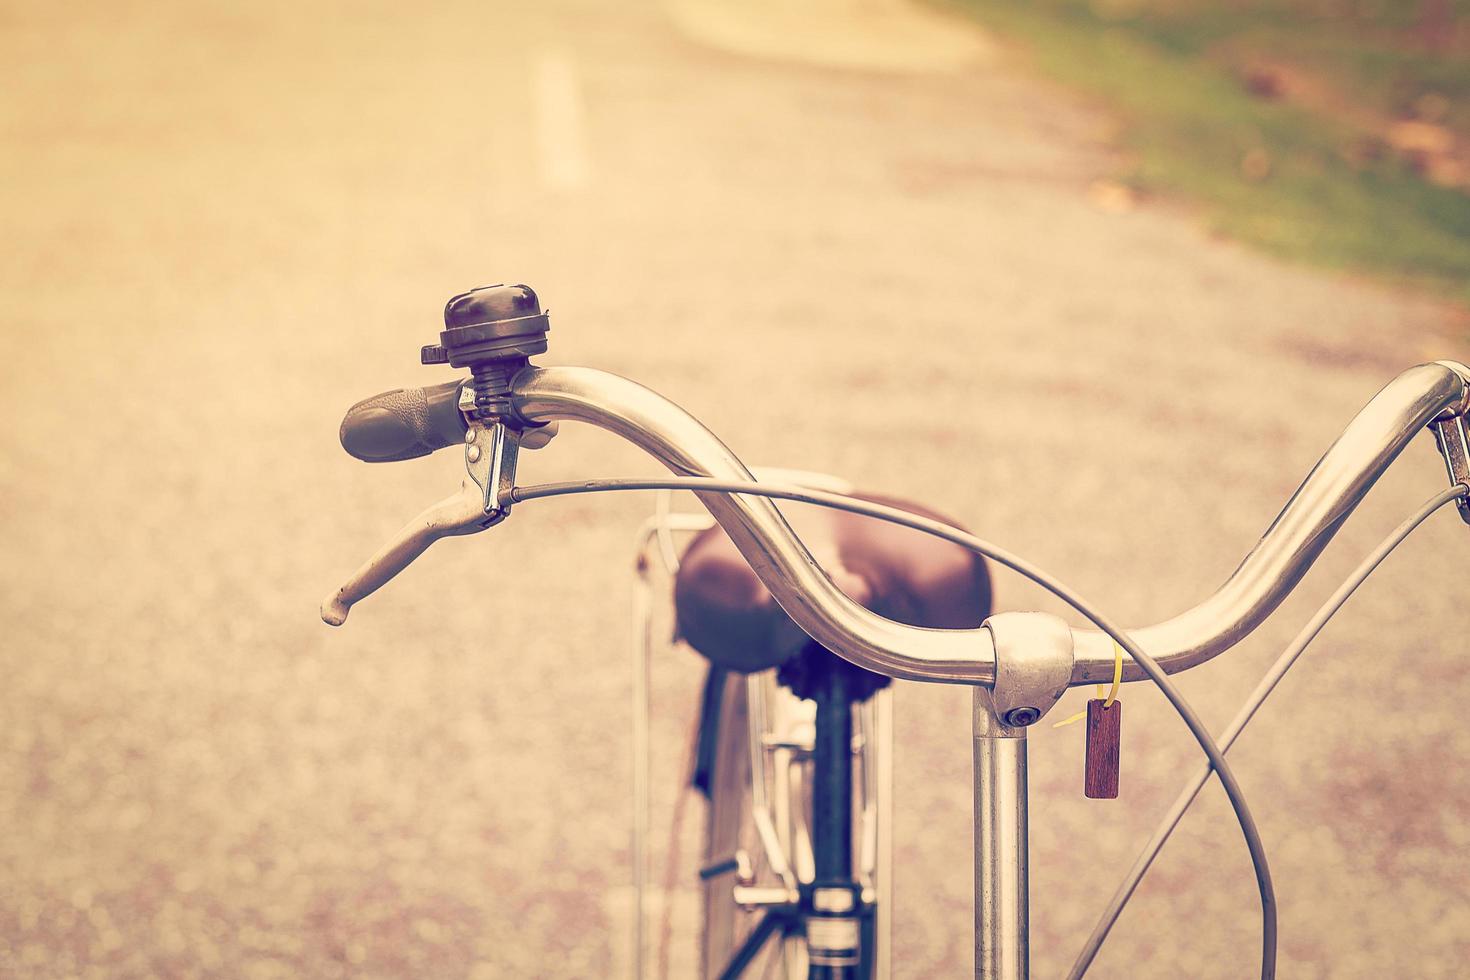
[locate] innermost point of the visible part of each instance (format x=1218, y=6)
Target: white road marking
x=882, y=35
x=560, y=121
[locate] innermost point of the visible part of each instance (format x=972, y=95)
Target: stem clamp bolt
x=1021, y=717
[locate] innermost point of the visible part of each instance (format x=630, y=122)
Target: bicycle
x=1018, y=664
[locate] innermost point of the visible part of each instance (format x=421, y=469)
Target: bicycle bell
x=492, y=330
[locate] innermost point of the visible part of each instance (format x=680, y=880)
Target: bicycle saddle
x=725, y=613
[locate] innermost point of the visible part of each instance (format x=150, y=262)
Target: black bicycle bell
x=490, y=325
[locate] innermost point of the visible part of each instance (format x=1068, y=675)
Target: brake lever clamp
x=1454, y=445
x=1450, y=435
x=490, y=454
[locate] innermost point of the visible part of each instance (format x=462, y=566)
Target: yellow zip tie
x=1117, y=675
x=1075, y=718
x=1112, y=694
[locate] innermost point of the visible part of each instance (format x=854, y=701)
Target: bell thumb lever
x=490, y=453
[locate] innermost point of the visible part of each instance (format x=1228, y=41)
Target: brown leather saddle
x=725, y=613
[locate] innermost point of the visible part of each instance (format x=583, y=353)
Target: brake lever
x=491, y=449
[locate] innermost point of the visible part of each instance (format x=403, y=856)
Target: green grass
x=1331, y=192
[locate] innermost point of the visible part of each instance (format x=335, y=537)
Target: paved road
x=225, y=224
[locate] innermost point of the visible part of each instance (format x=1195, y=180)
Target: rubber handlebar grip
x=404, y=424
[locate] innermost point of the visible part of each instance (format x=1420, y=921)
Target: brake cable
x=781, y=491
x=1190, y=792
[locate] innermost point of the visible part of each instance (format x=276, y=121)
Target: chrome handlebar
x=1287, y=549
x=1435, y=394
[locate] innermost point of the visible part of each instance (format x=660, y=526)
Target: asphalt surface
x=877, y=254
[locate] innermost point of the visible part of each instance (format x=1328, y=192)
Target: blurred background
x=1100, y=279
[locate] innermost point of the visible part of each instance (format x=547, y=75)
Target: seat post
x=832, y=789
x=833, y=918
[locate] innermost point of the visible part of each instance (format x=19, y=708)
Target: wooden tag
x=1104, y=742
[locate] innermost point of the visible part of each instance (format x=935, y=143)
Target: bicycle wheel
x=759, y=789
